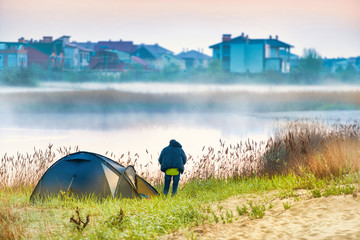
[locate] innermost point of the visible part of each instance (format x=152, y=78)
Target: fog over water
x=159, y=88
x=137, y=131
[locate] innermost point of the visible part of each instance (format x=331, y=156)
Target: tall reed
x=308, y=146
x=299, y=147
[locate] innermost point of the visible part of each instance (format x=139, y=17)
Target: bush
x=17, y=77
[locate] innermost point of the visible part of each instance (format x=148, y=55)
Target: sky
x=332, y=27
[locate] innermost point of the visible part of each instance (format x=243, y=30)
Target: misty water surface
x=163, y=87
x=140, y=129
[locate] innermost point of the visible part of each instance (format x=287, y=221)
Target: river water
x=141, y=131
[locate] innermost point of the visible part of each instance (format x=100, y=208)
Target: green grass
x=257, y=210
x=242, y=211
x=287, y=205
x=196, y=203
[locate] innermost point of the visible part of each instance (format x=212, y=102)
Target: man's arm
x=160, y=157
x=183, y=157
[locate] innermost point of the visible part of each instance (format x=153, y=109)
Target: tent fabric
x=86, y=173
x=131, y=173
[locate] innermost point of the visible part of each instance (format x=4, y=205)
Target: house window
x=226, y=51
x=226, y=64
x=1, y=62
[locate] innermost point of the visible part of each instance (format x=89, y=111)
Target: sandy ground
x=334, y=217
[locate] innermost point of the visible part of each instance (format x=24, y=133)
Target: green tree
x=349, y=73
x=310, y=65
x=215, y=66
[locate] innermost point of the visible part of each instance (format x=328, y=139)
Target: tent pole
x=70, y=184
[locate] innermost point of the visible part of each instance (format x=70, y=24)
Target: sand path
x=334, y=217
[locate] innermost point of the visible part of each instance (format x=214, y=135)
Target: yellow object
x=172, y=171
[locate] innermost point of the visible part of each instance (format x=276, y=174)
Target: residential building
x=334, y=65
x=75, y=57
x=138, y=64
x=158, y=57
x=46, y=53
x=293, y=58
x=245, y=55
x=13, y=54
x=71, y=57
x=122, y=49
x=194, y=59
x=85, y=51
x=85, y=55
x=106, y=60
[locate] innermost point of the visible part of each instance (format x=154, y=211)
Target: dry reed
x=27, y=169
x=320, y=148
x=300, y=146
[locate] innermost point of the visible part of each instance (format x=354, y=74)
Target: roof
x=87, y=45
x=139, y=61
x=123, y=56
x=62, y=38
x=79, y=47
x=12, y=45
x=155, y=50
x=242, y=39
x=276, y=43
x=47, y=48
x=123, y=46
x=193, y=55
x=84, y=49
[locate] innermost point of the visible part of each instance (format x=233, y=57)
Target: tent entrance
x=111, y=177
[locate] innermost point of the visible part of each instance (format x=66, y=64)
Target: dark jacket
x=172, y=156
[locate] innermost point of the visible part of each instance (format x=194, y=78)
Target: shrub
x=17, y=77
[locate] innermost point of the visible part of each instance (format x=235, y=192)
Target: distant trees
x=309, y=68
x=310, y=62
x=215, y=66
x=346, y=74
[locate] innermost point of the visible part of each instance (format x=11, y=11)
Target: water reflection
x=136, y=132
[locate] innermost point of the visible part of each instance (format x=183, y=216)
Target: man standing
x=172, y=160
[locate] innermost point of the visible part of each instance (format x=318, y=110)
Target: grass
x=242, y=211
x=322, y=159
x=144, y=219
x=257, y=211
x=287, y=205
x=10, y=222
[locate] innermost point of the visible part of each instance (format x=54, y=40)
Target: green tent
x=86, y=173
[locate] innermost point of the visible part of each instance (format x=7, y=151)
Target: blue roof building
x=158, y=57
x=194, y=59
x=244, y=55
